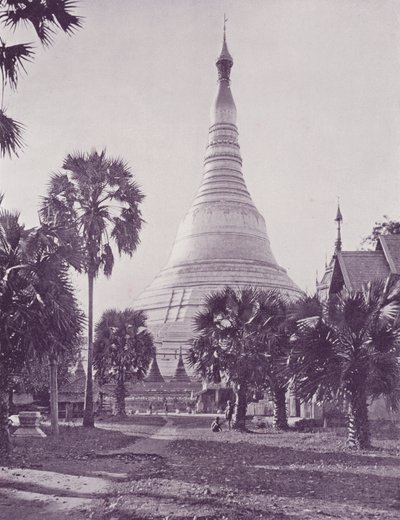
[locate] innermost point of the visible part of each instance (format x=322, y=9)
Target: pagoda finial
x=338, y=220
x=224, y=61
x=225, y=20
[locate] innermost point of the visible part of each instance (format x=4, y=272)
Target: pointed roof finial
x=225, y=20
x=224, y=61
x=338, y=220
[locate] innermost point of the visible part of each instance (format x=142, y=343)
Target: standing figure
x=230, y=407
x=150, y=409
x=166, y=407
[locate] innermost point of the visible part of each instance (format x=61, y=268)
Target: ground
x=176, y=468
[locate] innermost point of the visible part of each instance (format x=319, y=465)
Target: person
x=166, y=407
x=230, y=407
x=215, y=425
x=150, y=409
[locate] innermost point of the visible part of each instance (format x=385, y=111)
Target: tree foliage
x=45, y=16
x=241, y=338
x=98, y=198
x=123, y=350
x=385, y=227
x=39, y=314
x=347, y=351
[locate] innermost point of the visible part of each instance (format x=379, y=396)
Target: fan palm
x=272, y=332
x=123, y=350
x=227, y=345
x=12, y=61
x=39, y=316
x=44, y=15
x=346, y=350
x=98, y=197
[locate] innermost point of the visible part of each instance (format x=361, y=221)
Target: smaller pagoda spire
x=224, y=61
x=154, y=375
x=80, y=371
x=180, y=372
x=338, y=220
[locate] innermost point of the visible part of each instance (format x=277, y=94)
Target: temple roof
x=390, y=244
x=359, y=267
x=353, y=268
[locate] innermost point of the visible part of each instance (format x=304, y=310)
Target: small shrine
x=71, y=396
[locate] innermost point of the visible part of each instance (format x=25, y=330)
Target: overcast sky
x=316, y=85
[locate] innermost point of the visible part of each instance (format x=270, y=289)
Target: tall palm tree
x=39, y=315
x=347, y=351
x=272, y=332
x=227, y=345
x=99, y=198
x=123, y=350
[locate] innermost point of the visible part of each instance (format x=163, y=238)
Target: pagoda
x=222, y=240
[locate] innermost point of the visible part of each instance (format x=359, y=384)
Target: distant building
x=350, y=270
x=71, y=396
x=157, y=394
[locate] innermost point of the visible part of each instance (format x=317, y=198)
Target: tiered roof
x=351, y=269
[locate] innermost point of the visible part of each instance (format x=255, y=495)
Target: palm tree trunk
x=54, y=395
x=239, y=414
x=88, y=416
x=280, y=421
x=120, y=396
x=358, y=434
x=5, y=440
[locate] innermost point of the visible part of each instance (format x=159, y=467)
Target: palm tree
x=39, y=316
x=227, y=345
x=51, y=250
x=347, y=351
x=272, y=332
x=123, y=350
x=12, y=62
x=98, y=197
x=45, y=16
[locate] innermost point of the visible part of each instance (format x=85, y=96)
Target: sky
x=317, y=89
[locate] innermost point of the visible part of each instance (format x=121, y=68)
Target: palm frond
x=12, y=58
x=11, y=141
x=44, y=15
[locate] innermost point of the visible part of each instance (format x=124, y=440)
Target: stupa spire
x=180, y=372
x=338, y=220
x=224, y=61
x=80, y=371
x=222, y=240
x=154, y=375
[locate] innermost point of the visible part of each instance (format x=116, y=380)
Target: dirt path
x=31, y=493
